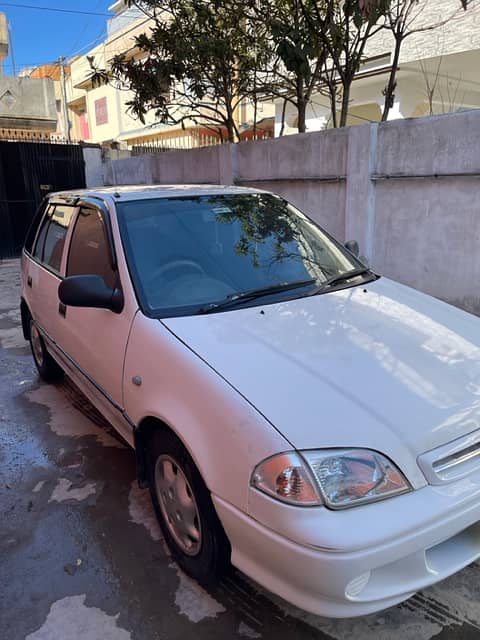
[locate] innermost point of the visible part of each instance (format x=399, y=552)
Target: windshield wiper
x=237, y=298
x=342, y=277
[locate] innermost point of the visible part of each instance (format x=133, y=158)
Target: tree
x=347, y=25
x=399, y=18
x=208, y=54
x=296, y=53
x=213, y=55
x=200, y=60
x=402, y=20
x=345, y=28
x=315, y=45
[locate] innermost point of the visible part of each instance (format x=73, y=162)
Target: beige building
x=99, y=113
x=438, y=71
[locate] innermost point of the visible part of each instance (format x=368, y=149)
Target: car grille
x=453, y=461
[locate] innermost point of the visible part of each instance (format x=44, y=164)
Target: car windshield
x=190, y=254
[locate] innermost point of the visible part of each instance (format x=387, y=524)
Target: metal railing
x=175, y=143
x=191, y=141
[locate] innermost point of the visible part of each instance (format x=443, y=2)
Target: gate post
x=92, y=156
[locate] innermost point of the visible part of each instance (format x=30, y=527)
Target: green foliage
x=267, y=219
x=296, y=45
x=206, y=51
x=296, y=53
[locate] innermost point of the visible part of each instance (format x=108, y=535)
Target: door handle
x=62, y=309
x=29, y=281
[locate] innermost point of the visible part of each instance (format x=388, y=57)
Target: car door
x=44, y=267
x=93, y=341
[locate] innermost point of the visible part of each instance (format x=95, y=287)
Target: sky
x=42, y=36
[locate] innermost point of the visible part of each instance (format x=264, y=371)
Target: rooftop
x=143, y=192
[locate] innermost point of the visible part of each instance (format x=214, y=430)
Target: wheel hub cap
x=178, y=505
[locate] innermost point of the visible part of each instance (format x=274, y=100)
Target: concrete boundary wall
x=407, y=190
x=94, y=170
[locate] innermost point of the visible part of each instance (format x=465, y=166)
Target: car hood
x=380, y=366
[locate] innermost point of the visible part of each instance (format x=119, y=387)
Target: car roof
x=143, y=192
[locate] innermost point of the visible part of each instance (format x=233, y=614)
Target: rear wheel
x=185, y=510
x=47, y=368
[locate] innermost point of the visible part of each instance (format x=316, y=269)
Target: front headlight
x=348, y=477
x=337, y=478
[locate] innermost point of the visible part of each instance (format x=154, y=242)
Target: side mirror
x=90, y=291
x=352, y=246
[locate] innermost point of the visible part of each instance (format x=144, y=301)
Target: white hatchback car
x=291, y=412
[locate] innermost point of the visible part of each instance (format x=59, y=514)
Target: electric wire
x=55, y=9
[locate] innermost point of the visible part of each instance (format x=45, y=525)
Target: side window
x=40, y=243
x=55, y=236
x=32, y=232
x=89, y=250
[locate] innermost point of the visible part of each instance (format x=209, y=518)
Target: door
x=44, y=267
x=94, y=340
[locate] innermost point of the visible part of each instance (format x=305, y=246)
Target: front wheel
x=185, y=510
x=47, y=368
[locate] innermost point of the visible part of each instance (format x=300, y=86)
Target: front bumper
x=360, y=560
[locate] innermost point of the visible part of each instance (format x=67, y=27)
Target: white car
x=292, y=413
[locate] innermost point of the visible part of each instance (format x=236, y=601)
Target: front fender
x=224, y=434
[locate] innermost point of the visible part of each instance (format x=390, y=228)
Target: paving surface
x=81, y=555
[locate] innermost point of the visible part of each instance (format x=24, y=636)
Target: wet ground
x=81, y=555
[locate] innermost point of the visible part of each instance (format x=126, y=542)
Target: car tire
x=185, y=510
x=47, y=368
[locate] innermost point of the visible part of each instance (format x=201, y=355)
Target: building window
x=101, y=112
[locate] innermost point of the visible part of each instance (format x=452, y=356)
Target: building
x=437, y=71
x=53, y=71
x=28, y=106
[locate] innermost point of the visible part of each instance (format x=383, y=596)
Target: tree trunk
x=282, y=128
x=347, y=83
x=230, y=130
x=301, y=105
x=302, y=111
x=392, y=82
x=230, y=120
x=332, y=96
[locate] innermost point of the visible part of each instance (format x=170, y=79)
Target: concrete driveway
x=81, y=555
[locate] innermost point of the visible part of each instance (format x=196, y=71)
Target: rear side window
x=32, y=232
x=89, y=250
x=40, y=243
x=55, y=236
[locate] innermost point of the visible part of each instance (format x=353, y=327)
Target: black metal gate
x=28, y=171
